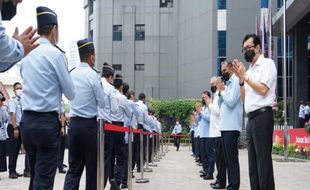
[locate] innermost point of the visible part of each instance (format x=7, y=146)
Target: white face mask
x=18, y=92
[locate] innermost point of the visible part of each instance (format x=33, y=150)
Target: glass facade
x=140, y=32
x=221, y=4
x=91, y=7
x=221, y=54
x=117, y=32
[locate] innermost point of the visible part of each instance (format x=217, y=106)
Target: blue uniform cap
x=107, y=70
x=85, y=46
x=46, y=16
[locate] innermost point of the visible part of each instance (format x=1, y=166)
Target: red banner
x=299, y=137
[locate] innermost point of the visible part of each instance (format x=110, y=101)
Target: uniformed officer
x=177, y=131
x=15, y=141
x=83, y=117
x=45, y=79
x=14, y=49
x=118, y=118
x=104, y=113
x=3, y=135
x=143, y=122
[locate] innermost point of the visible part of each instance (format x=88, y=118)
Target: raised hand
x=27, y=39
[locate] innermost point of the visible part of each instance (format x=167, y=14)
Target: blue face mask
x=8, y=10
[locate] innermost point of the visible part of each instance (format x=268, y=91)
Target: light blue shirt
x=124, y=109
x=231, y=110
x=11, y=50
x=204, y=122
x=45, y=79
x=90, y=92
x=177, y=129
x=111, y=105
x=132, y=121
x=15, y=107
x=143, y=118
x=3, y=120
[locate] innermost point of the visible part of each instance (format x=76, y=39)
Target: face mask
x=226, y=76
x=249, y=55
x=8, y=10
x=203, y=102
x=213, y=89
x=18, y=92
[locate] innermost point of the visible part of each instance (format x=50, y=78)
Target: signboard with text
x=299, y=137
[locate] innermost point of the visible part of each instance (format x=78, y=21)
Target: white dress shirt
x=215, y=117
x=263, y=71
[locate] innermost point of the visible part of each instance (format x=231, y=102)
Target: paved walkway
x=178, y=171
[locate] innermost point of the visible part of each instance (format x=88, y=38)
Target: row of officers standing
x=216, y=123
x=45, y=80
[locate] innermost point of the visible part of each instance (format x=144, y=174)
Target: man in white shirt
x=257, y=89
x=177, y=131
x=302, y=115
x=215, y=134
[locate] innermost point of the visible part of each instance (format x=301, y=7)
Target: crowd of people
x=303, y=114
x=35, y=114
x=217, y=121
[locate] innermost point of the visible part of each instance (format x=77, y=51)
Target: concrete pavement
x=178, y=171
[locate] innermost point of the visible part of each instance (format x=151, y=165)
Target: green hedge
x=170, y=111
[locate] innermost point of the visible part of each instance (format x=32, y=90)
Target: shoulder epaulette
x=72, y=69
x=95, y=70
x=62, y=51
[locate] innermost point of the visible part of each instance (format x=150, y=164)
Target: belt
x=39, y=113
x=83, y=118
x=118, y=123
x=257, y=112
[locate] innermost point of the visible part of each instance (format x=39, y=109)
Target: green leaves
x=170, y=111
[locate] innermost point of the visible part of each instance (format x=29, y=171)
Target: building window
x=139, y=67
x=221, y=4
x=117, y=67
x=140, y=32
x=166, y=3
x=90, y=7
x=117, y=32
x=221, y=43
x=91, y=34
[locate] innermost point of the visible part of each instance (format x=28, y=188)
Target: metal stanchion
x=156, y=159
x=159, y=155
x=147, y=169
x=152, y=164
x=129, y=173
x=142, y=179
x=100, y=155
x=162, y=146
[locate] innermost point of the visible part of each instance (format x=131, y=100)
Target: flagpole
x=284, y=85
x=270, y=29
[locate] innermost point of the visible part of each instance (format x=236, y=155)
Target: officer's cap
x=85, y=46
x=46, y=16
x=118, y=80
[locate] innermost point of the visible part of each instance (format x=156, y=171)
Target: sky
x=71, y=19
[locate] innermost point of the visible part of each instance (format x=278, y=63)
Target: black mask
x=213, y=89
x=226, y=76
x=249, y=55
x=203, y=102
x=8, y=10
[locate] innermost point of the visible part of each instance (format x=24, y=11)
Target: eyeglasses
x=247, y=48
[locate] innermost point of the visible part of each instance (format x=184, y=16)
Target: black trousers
x=208, y=156
x=197, y=148
x=3, y=166
x=220, y=162
x=125, y=169
x=193, y=142
x=62, y=147
x=301, y=122
x=230, y=149
x=135, y=151
x=259, y=141
x=40, y=134
x=82, y=153
x=177, y=140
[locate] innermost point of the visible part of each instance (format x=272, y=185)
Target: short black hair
x=15, y=84
x=229, y=63
x=125, y=88
x=46, y=30
x=256, y=39
x=130, y=93
x=117, y=83
x=85, y=56
x=206, y=92
x=142, y=96
x=106, y=75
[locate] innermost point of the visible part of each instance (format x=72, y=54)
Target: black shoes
x=27, y=174
x=217, y=186
x=114, y=185
x=15, y=175
x=124, y=186
x=208, y=177
x=62, y=171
